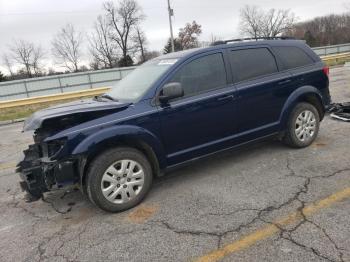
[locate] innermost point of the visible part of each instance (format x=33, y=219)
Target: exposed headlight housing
x=52, y=148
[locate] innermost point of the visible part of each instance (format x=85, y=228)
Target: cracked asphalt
x=255, y=204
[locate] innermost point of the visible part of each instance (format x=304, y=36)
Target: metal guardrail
x=53, y=98
x=332, y=49
x=58, y=84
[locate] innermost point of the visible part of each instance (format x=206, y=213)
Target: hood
x=83, y=106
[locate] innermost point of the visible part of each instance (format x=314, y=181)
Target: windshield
x=137, y=83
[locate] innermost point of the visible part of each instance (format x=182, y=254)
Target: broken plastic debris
x=340, y=111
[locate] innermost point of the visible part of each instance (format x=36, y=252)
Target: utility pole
x=171, y=13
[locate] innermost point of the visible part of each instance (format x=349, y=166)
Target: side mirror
x=171, y=91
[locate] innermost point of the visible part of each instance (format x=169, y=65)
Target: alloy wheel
x=305, y=125
x=122, y=181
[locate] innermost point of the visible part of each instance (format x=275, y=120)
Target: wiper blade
x=107, y=97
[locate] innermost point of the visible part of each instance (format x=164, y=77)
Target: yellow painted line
x=7, y=166
x=270, y=230
x=52, y=98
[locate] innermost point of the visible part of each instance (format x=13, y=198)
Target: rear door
x=199, y=122
x=304, y=69
x=262, y=89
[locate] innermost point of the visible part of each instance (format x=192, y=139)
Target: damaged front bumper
x=40, y=174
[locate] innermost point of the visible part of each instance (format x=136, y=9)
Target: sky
x=38, y=20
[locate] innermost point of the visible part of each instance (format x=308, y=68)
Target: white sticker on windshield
x=167, y=62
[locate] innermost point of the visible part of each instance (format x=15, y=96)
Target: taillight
x=326, y=71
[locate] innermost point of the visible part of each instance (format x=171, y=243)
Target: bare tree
x=188, y=36
x=66, y=47
x=151, y=54
x=140, y=41
x=123, y=18
x=324, y=30
x=251, y=21
x=213, y=39
x=103, y=49
x=8, y=63
x=38, y=54
x=256, y=22
x=27, y=55
x=277, y=22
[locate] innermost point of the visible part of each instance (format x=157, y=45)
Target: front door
x=199, y=122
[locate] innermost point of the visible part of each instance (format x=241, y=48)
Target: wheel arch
x=308, y=94
x=134, y=137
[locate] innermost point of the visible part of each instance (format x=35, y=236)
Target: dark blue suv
x=173, y=109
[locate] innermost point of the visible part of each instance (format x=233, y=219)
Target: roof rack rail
x=222, y=42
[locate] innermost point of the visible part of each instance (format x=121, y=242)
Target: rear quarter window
x=251, y=63
x=292, y=57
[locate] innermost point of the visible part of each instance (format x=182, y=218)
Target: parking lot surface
x=266, y=202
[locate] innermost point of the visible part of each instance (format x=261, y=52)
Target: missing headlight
x=54, y=147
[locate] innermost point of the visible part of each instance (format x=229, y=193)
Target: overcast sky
x=38, y=20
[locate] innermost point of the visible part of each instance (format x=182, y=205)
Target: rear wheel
x=303, y=126
x=119, y=179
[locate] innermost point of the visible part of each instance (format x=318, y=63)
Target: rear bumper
x=39, y=174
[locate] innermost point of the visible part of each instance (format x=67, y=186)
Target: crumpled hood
x=35, y=121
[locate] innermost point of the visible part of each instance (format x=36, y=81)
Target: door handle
x=227, y=97
x=284, y=82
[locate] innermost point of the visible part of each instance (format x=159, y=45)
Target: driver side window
x=202, y=75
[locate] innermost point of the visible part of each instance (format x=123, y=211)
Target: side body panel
x=201, y=125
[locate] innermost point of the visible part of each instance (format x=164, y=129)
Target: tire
x=303, y=126
x=118, y=179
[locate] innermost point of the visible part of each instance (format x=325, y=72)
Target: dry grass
x=25, y=111
x=338, y=61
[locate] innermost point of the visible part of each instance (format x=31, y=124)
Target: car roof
x=194, y=51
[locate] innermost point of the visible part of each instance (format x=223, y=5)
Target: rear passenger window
x=252, y=63
x=201, y=75
x=292, y=57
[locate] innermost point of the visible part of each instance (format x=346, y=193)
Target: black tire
x=99, y=166
x=290, y=138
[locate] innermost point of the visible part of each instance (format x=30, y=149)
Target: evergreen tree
x=2, y=77
x=177, y=45
x=127, y=61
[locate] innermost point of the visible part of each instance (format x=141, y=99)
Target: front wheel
x=119, y=179
x=303, y=126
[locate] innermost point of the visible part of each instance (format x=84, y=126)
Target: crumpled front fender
x=123, y=132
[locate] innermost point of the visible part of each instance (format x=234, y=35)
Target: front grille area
x=40, y=173
x=31, y=170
